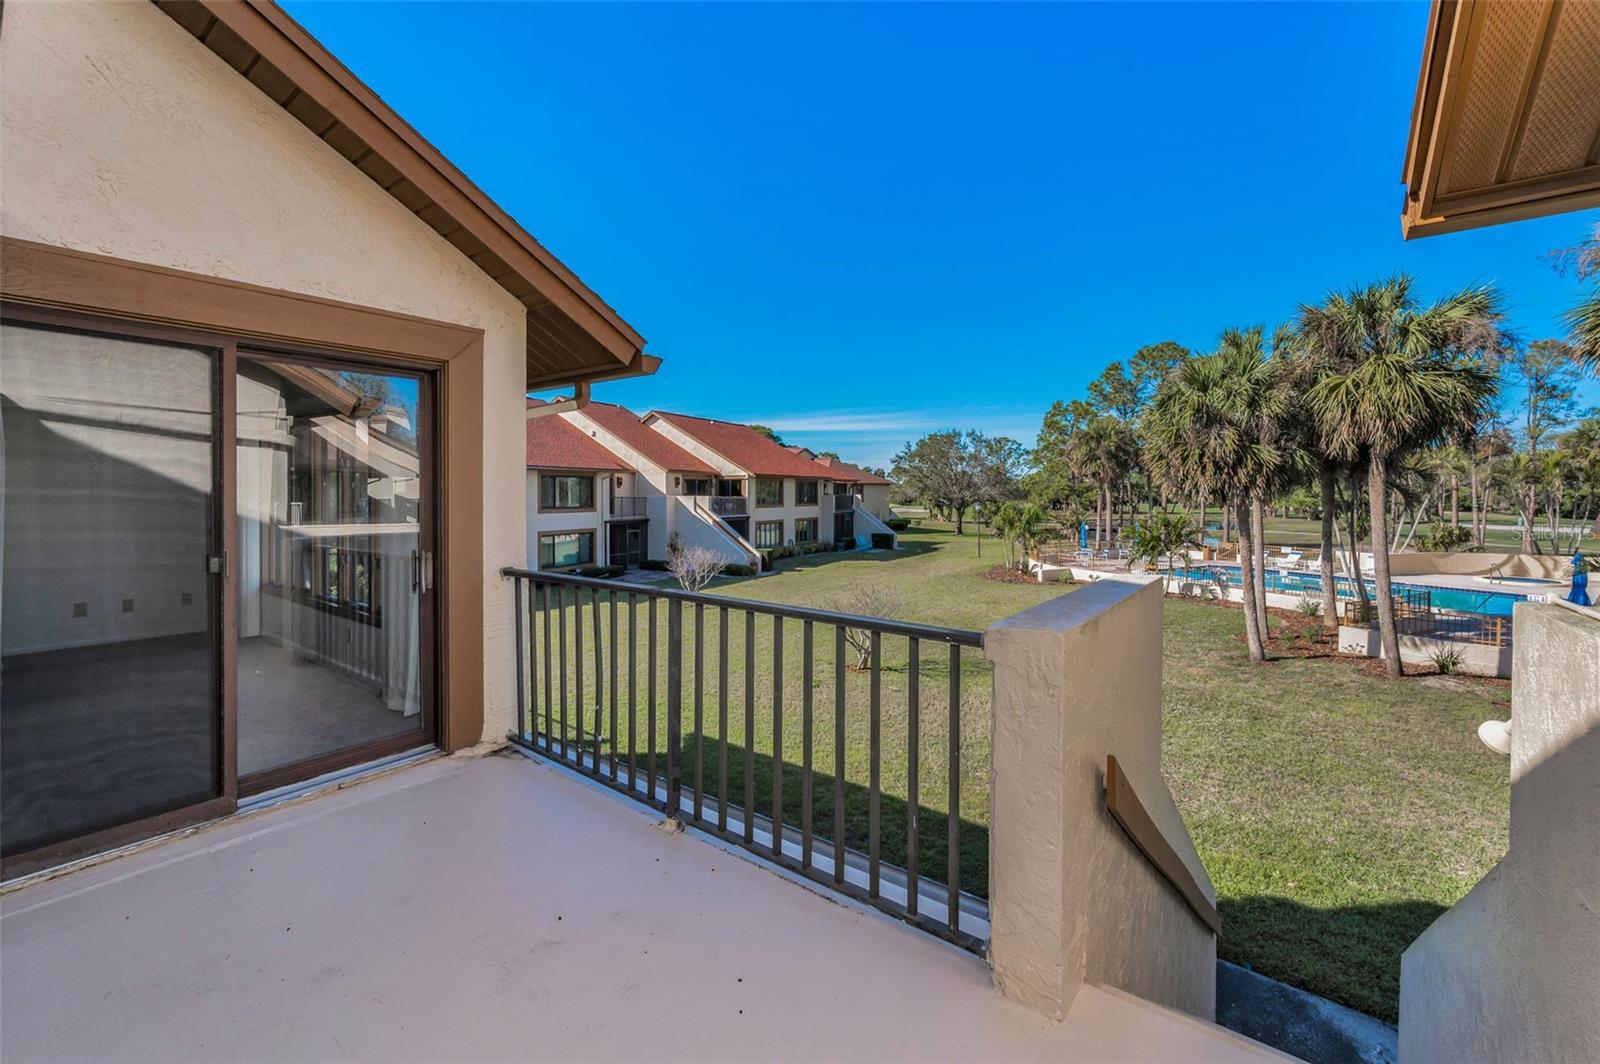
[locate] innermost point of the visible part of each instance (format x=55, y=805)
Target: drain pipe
x=576, y=401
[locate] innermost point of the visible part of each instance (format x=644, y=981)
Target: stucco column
x=1071, y=899
x=1510, y=971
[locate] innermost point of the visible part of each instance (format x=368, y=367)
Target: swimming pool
x=1457, y=600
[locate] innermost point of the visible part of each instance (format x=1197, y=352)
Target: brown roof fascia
x=272, y=34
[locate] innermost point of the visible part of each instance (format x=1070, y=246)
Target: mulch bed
x=1001, y=574
x=1296, y=635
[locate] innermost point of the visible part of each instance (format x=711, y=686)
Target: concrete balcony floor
x=500, y=909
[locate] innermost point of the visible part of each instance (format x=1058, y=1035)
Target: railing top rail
x=958, y=636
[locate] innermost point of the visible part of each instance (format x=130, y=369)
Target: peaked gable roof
x=745, y=447
x=628, y=427
x=572, y=334
x=553, y=442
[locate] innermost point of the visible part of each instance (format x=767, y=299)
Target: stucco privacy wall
x=1477, y=563
x=1510, y=971
x=1072, y=901
x=124, y=136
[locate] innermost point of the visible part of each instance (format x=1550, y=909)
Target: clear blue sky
x=860, y=223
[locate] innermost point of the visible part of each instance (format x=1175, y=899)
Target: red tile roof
x=555, y=443
x=745, y=447
x=626, y=426
x=853, y=474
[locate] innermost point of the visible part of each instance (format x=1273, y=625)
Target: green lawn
x=1337, y=813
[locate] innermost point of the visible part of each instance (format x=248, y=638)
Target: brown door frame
x=427, y=535
x=122, y=297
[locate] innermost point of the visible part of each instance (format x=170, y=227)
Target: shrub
x=865, y=600
x=1439, y=539
x=695, y=567
x=655, y=565
x=1309, y=607
x=1448, y=660
x=882, y=541
x=601, y=572
x=737, y=570
x=899, y=524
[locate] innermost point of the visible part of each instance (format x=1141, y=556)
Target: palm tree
x=1207, y=433
x=1402, y=385
x=1157, y=540
x=1102, y=451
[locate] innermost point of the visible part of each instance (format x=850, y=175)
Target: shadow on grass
x=1348, y=954
x=893, y=814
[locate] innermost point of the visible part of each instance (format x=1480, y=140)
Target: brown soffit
x=1506, y=121
x=571, y=333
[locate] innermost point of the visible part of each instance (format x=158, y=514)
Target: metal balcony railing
x=844, y=503
x=583, y=707
x=628, y=506
x=727, y=505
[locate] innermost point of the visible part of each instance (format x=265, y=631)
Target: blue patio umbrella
x=1580, y=582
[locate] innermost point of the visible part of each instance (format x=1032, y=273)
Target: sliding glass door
x=216, y=576
x=110, y=709
x=335, y=567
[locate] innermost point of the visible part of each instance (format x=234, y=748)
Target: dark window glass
x=769, y=491
x=564, y=549
x=769, y=534
x=566, y=493
x=697, y=486
x=108, y=617
x=805, y=493
x=805, y=530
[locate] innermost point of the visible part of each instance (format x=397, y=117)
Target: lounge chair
x=1291, y=560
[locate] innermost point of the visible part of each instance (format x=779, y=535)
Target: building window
x=805, y=530
x=805, y=493
x=769, y=491
x=697, y=485
x=566, y=493
x=769, y=534
x=562, y=550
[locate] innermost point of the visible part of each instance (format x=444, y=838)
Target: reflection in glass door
x=110, y=710
x=334, y=567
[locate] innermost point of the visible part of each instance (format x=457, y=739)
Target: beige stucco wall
x=1072, y=901
x=1512, y=971
x=1477, y=563
x=122, y=135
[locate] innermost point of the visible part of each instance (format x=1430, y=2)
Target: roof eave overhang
x=571, y=333
x=1434, y=203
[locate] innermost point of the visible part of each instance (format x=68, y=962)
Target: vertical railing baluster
x=533, y=666
x=561, y=623
x=549, y=667
x=874, y=797
x=599, y=682
x=777, y=736
x=722, y=718
x=650, y=672
x=577, y=667
x=522, y=655
x=912, y=740
x=611, y=756
x=805, y=745
x=953, y=858
x=633, y=692
x=674, y=708
x=838, y=754
x=749, y=727
x=699, y=716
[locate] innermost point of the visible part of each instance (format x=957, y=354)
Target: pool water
x=1457, y=600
